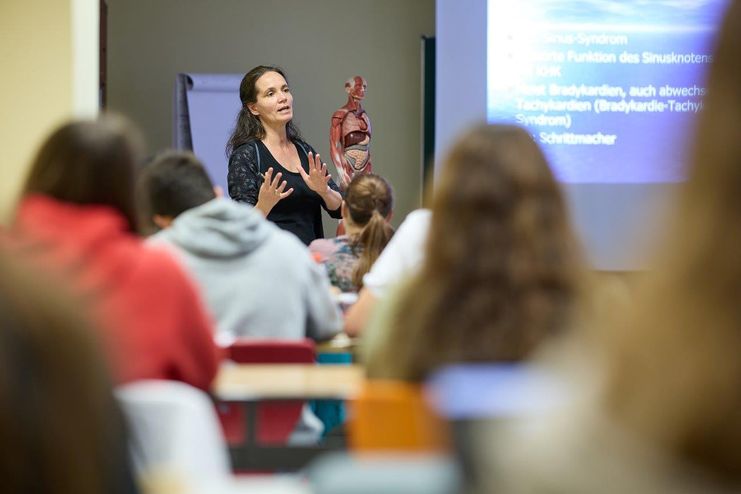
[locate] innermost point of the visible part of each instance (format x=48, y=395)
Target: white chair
x=174, y=430
x=384, y=473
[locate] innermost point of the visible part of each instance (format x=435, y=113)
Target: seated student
x=366, y=210
x=500, y=271
x=60, y=427
x=401, y=257
x=258, y=280
x=76, y=218
x=666, y=417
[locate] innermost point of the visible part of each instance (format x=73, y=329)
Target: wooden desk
x=253, y=383
x=259, y=382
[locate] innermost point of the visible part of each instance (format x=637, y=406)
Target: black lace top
x=300, y=213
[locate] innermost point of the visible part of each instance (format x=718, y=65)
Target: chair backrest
x=393, y=415
x=276, y=421
x=492, y=398
x=384, y=472
x=259, y=351
x=494, y=391
x=174, y=431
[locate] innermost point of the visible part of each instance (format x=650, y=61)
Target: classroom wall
x=36, y=83
x=319, y=43
x=49, y=61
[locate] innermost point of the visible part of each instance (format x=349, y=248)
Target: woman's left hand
x=318, y=178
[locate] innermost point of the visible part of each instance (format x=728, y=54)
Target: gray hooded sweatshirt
x=257, y=280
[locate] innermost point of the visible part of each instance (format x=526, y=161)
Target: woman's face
x=274, y=100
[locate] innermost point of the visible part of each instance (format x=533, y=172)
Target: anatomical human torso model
x=350, y=134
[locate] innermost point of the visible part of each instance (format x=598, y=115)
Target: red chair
x=275, y=420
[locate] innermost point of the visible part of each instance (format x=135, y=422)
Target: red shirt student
x=76, y=219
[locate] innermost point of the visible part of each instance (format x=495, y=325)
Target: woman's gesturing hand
x=318, y=178
x=272, y=190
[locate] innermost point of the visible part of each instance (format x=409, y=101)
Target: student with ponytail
x=366, y=211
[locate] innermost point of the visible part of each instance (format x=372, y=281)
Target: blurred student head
x=673, y=368
x=60, y=429
x=501, y=269
x=174, y=182
x=367, y=209
x=89, y=162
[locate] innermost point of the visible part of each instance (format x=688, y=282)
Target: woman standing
x=270, y=166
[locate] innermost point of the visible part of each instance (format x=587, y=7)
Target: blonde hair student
x=501, y=269
x=673, y=369
x=666, y=415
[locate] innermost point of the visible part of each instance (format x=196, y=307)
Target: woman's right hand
x=271, y=191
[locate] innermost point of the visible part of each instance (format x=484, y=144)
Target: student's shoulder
x=287, y=243
x=290, y=253
x=413, y=229
x=416, y=219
